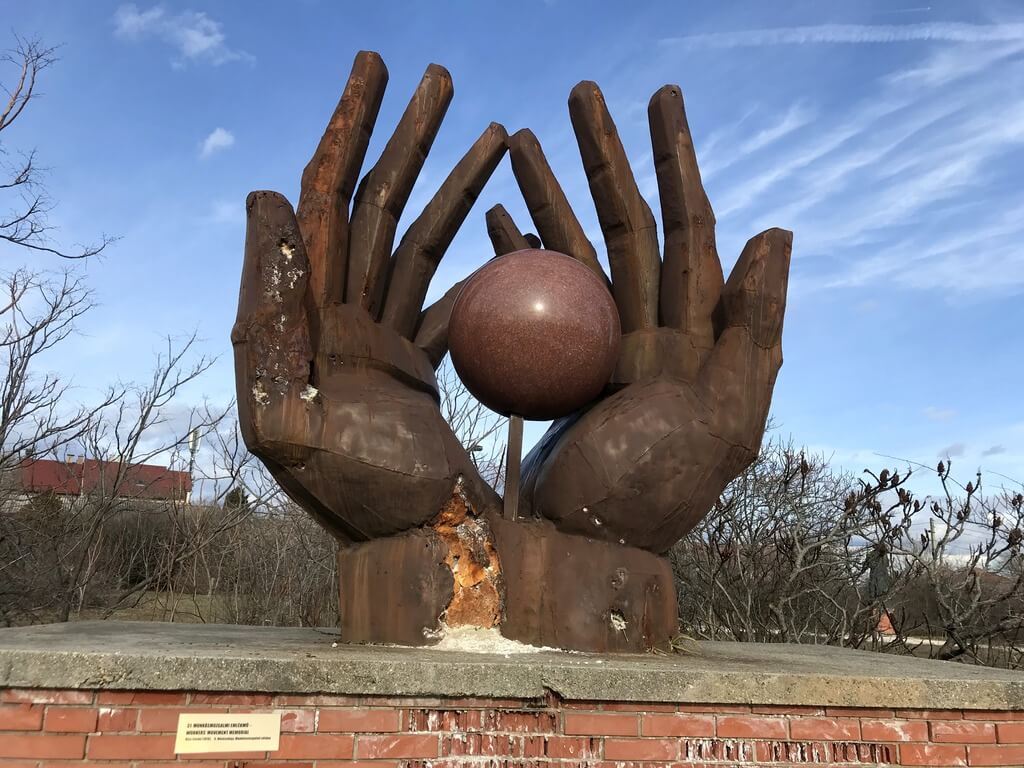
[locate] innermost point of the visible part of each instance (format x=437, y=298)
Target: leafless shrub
x=797, y=552
x=38, y=311
x=967, y=588
x=480, y=430
x=278, y=568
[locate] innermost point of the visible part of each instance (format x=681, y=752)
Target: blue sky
x=888, y=136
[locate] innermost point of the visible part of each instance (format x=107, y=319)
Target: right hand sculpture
x=334, y=360
x=687, y=405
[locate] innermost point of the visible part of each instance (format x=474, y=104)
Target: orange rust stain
x=474, y=564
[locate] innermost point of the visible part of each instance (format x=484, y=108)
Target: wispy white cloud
x=855, y=34
x=226, y=212
x=797, y=116
x=868, y=133
x=706, y=146
x=933, y=413
x=218, y=140
x=752, y=189
x=952, y=451
x=194, y=35
x=895, y=11
x=911, y=192
x=793, y=119
x=989, y=268
x=132, y=24
x=878, y=137
x=983, y=257
x=990, y=449
x=954, y=63
x=892, y=188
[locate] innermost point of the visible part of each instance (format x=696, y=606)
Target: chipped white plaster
x=259, y=394
x=618, y=621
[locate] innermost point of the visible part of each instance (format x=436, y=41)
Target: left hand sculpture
x=334, y=361
x=686, y=409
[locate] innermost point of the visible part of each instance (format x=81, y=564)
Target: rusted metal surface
x=420, y=251
x=329, y=178
x=393, y=590
x=568, y=591
x=505, y=236
x=685, y=408
x=384, y=191
x=334, y=361
x=513, y=459
x=406, y=589
x=626, y=220
x=342, y=408
x=538, y=585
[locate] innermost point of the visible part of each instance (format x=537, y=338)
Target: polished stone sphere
x=534, y=333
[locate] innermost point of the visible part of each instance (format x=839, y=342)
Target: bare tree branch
x=26, y=225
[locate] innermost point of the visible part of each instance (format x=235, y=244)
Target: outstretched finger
x=271, y=332
x=740, y=373
x=432, y=330
x=691, y=275
x=630, y=233
x=428, y=238
x=432, y=333
x=550, y=210
x=503, y=232
x=384, y=191
x=331, y=175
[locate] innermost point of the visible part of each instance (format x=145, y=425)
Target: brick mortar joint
x=170, y=699
x=992, y=749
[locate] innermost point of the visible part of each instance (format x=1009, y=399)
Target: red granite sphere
x=534, y=333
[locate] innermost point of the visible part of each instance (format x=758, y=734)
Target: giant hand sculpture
x=686, y=408
x=334, y=361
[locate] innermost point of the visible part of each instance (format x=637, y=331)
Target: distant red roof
x=74, y=478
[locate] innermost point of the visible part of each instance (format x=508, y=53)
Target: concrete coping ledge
x=204, y=657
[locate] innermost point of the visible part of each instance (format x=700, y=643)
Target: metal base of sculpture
x=535, y=584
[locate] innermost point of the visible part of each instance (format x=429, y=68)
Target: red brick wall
x=46, y=728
